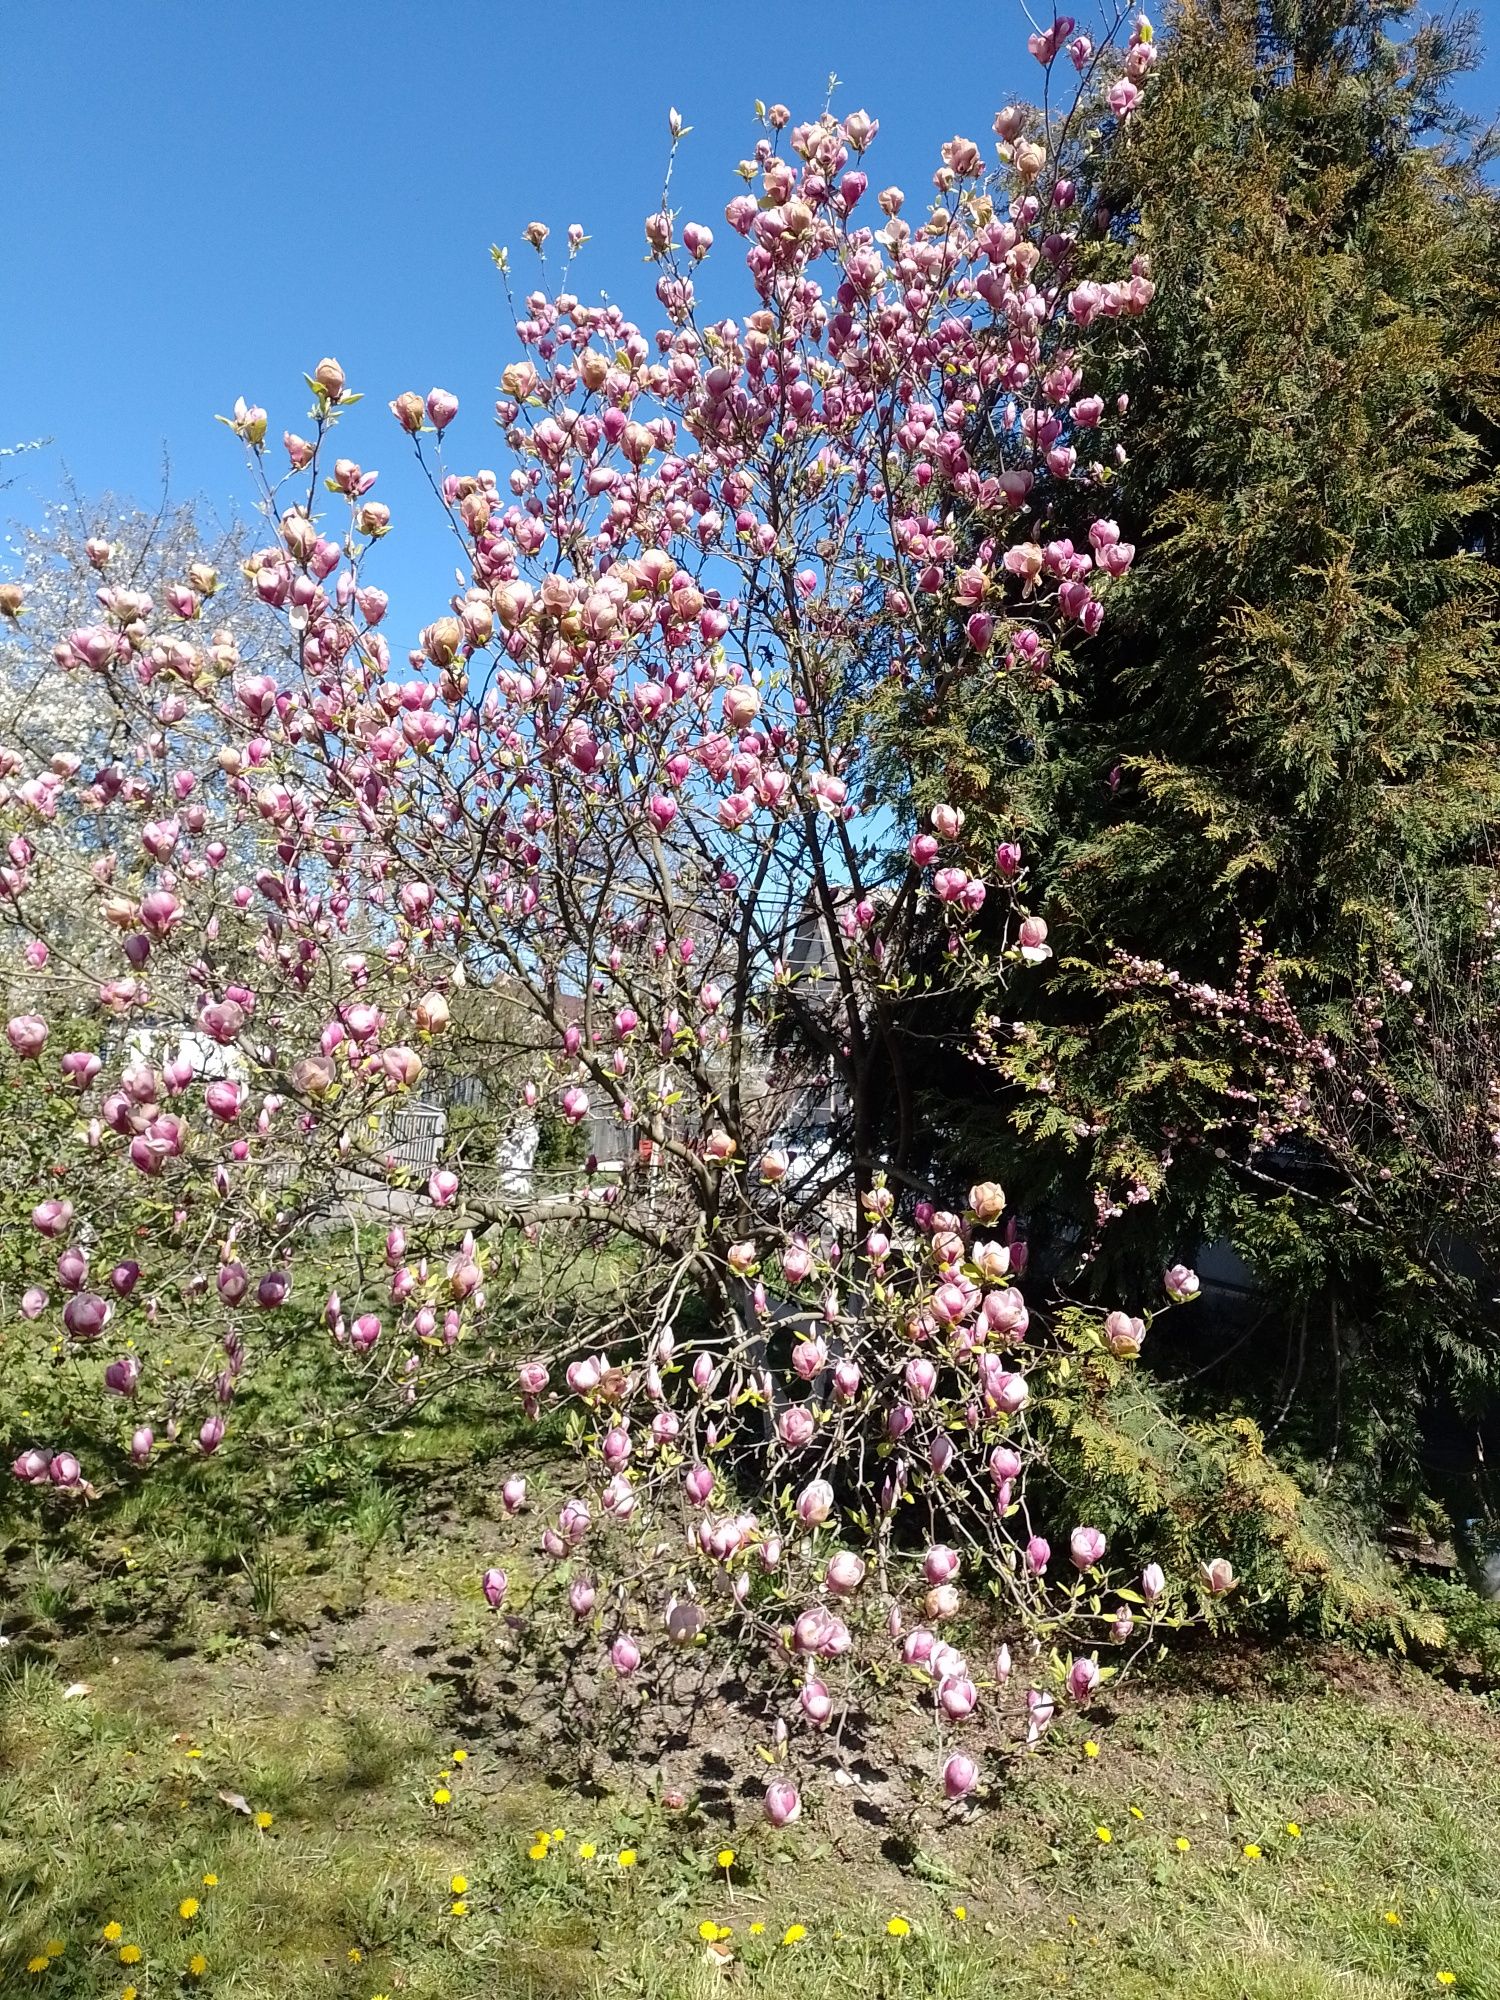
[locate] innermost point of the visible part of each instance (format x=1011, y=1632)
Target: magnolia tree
x=623, y=786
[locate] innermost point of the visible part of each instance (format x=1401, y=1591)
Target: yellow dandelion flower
x=265, y=1821
x=725, y=1857
x=459, y=1884
x=54, y=1947
x=197, y=1965
x=130, y=1993
x=898, y=1927
x=708, y=1930
x=458, y=1908
x=794, y=1934
x=558, y=1833
x=112, y=1932
x=210, y=1881
x=1251, y=1851
x=130, y=1954
x=1136, y=1813
x=1091, y=1748
x=627, y=1857
x=442, y=1796
x=1446, y=1978
x=195, y=1753
x=1182, y=1843
x=38, y=1964
x=1103, y=1835
x=187, y=1909
x=757, y=1929
x=538, y=1850
x=458, y=1757
x=961, y=1912
x=586, y=1850
x=1393, y=1917
x=1293, y=1830
x=356, y=1956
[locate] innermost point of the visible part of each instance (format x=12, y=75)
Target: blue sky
x=203, y=199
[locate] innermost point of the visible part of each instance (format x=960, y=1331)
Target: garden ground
x=305, y=1759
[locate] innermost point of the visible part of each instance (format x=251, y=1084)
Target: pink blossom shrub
x=615, y=818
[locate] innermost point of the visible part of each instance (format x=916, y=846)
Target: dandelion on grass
x=197, y=1965
x=130, y=1954
x=712, y=1933
x=187, y=1909
x=1136, y=1813
x=538, y=1850
x=960, y=1911
x=265, y=1821
x=1294, y=1832
x=1103, y=1835
x=794, y=1934
x=725, y=1858
x=442, y=1796
x=458, y=1908
x=112, y=1932
x=898, y=1927
x=757, y=1929
x=1091, y=1748
x=458, y=1885
x=586, y=1850
x=54, y=1947
x=627, y=1857
x=38, y=1964
x=458, y=1757
x=1182, y=1843
x=1393, y=1918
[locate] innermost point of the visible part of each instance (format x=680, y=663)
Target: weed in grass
x=264, y=1571
x=50, y=1594
x=375, y=1517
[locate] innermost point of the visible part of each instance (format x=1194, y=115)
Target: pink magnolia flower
x=940, y=1564
x=1083, y=1678
x=1124, y=1335
x=442, y=408
x=1181, y=1284
x=27, y=1035
x=796, y=1427
x=782, y=1804
x=960, y=1776
x=845, y=1573
x=1086, y=1546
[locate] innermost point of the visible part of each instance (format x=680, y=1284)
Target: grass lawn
x=302, y=1759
